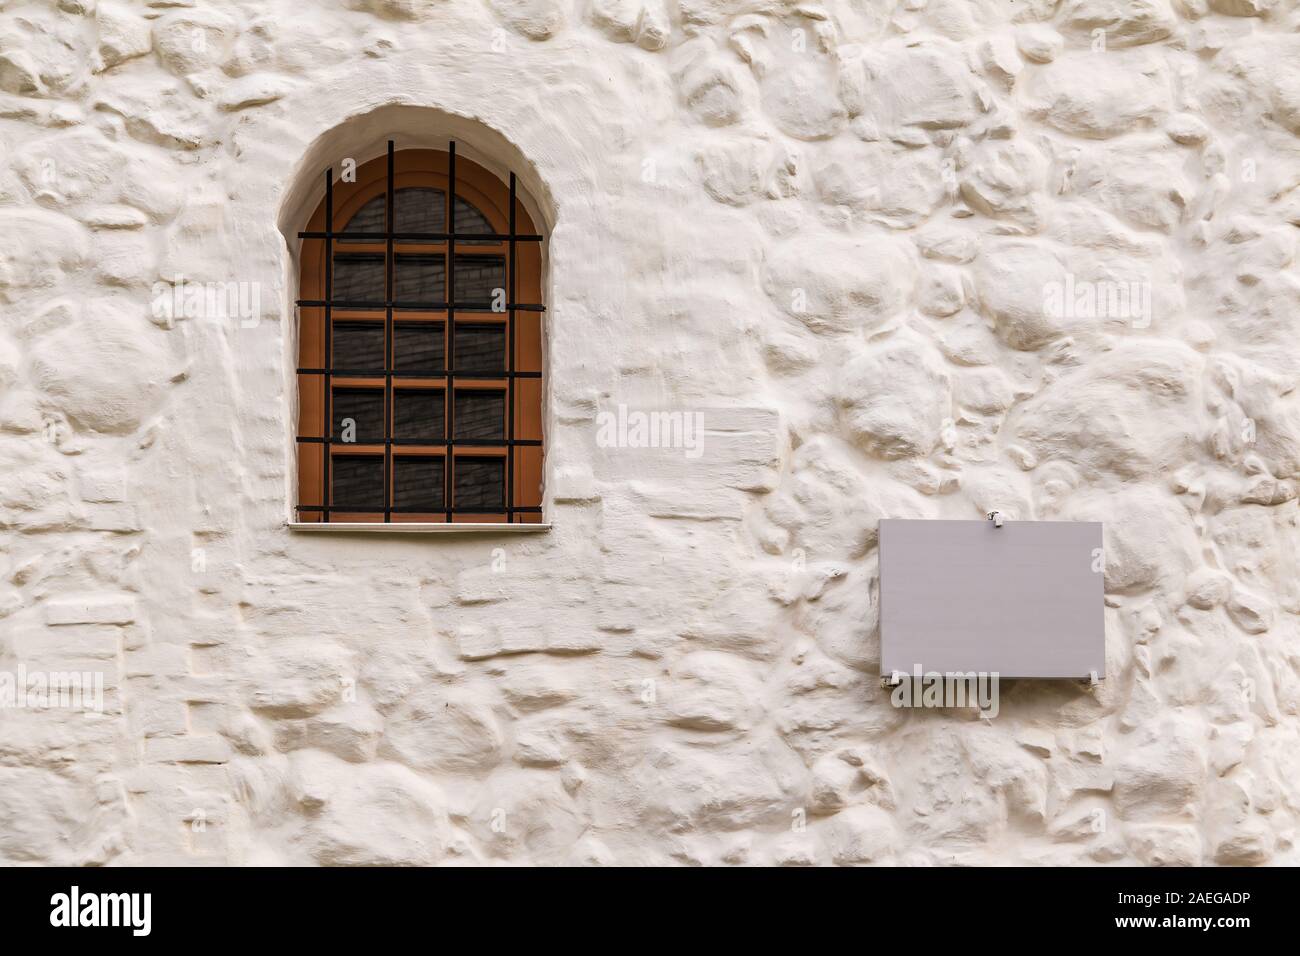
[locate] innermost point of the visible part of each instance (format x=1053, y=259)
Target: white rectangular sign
x=1022, y=600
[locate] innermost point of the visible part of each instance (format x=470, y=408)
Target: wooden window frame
x=514, y=239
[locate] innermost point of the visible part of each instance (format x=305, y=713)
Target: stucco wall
x=830, y=230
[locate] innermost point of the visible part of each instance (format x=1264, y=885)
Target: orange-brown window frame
x=513, y=237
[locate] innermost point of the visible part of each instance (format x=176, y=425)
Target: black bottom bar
x=919, y=910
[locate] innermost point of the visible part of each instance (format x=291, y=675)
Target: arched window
x=420, y=347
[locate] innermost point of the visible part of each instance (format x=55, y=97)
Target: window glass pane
x=413, y=349
x=417, y=483
x=358, y=346
x=420, y=209
x=418, y=347
x=369, y=218
x=364, y=407
x=418, y=414
x=418, y=279
x=480, y=414
x=357, y=482
x=477, y=278
x=480, y=349
x=415, y=209
x=469, y=221
x=358, y=278
x=480, y=483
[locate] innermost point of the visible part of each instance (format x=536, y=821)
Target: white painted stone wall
x=828, y=227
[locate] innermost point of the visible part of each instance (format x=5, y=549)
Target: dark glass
x=415, y=209
x=477, y=280
x=417, y=483
x=358, y=346
x=365, y=406
x=480, y=484
x=419, y=414
x=418, y=347
x=358, y=277
x=481, y=414
x=419, y=279
x=370, y=217
x=480, y=349
x=469, y=221
x=358, y=482
x=420, y=209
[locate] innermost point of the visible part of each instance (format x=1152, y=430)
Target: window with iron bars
x=420, y=346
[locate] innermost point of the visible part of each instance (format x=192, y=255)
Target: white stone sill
x=415, y=527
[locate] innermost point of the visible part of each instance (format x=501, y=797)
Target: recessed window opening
x=420, y=348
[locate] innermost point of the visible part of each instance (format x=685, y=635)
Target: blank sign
x=1023, y=600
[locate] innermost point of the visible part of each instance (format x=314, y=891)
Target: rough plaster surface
x=827, y=228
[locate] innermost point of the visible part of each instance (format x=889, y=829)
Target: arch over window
x=420, y=347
